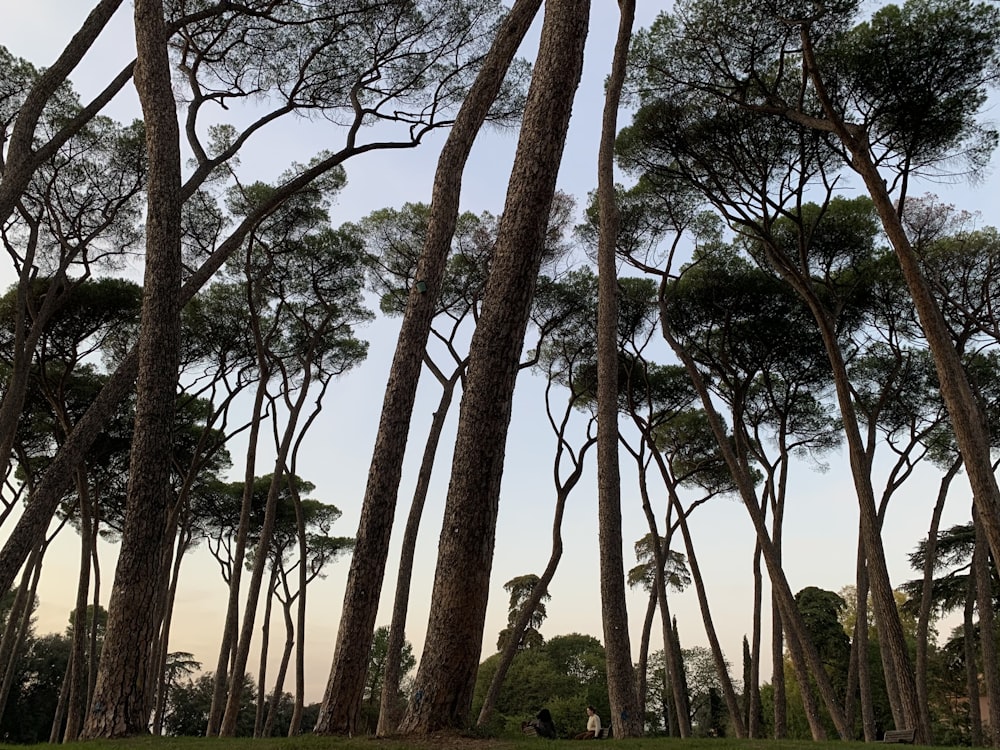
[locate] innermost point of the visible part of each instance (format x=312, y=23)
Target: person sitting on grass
x=593, y=725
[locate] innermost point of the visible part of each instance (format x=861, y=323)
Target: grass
x=444, y=741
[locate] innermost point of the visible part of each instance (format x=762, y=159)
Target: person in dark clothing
x=542, y=724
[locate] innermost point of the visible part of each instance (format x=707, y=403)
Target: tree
x=342, y=699
x=851, y=88
x=520, y=589
x=565, y=674
x=121, y=701
x=374, y=689
x=252, y=38
x=445, y=677
x=626, y=708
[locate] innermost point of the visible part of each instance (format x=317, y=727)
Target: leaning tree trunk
x=803, y=651
x=967, y=418
x=672, y=659
x=233, y=700
x=445, y=679
x=530, y=604
x=389, y=700
x=732, y=704
x=344, y=689
x=626, y=712
x=19, y=623
x=120, y=702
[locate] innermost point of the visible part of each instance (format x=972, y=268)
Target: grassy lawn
x=446, y=741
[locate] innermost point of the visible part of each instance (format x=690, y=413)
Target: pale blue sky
x=820, y=530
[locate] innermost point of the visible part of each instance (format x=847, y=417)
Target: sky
x=821, y=520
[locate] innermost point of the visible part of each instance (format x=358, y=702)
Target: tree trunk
x=673, y=661
x=231, y=714
x=389, y=709
x=77, y=673
x=987, y=631
x=446, y=677
x=18, y=623
x=230, y=630
x=626, y=712
x=725, y=680
x=927, y=591
x=972, y=664
x=265, y=644
x=864, y=667
x=540, y=589
x=279, y=680
x=22, y=158
x=342, y=698
x=751, y=687
x=804, y=654
x=120, y=702
x=967, y=418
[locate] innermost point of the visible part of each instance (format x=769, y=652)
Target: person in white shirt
x=593, y=725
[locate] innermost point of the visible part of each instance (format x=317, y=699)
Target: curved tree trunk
x=230, y=629
x=265, y=644
x=228, y=726
x=804, y=654
x=446, y=676
x=732, y=704
x=541, y=587
x=967, y=418
x=279, y=680
x=673, y=661
x=120, y=706
x=342, y=698
x=162, y=686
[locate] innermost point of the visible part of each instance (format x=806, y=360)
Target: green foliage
x=520, y=590
x=39, y=672
x=372, y=695
x=564, y=675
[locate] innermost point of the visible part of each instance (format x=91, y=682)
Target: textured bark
x=121, y=704
x=972, y=665
x=626, y=711
x=342, y=698
x=987, y=644
x=389, y=708
x=444, y=684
